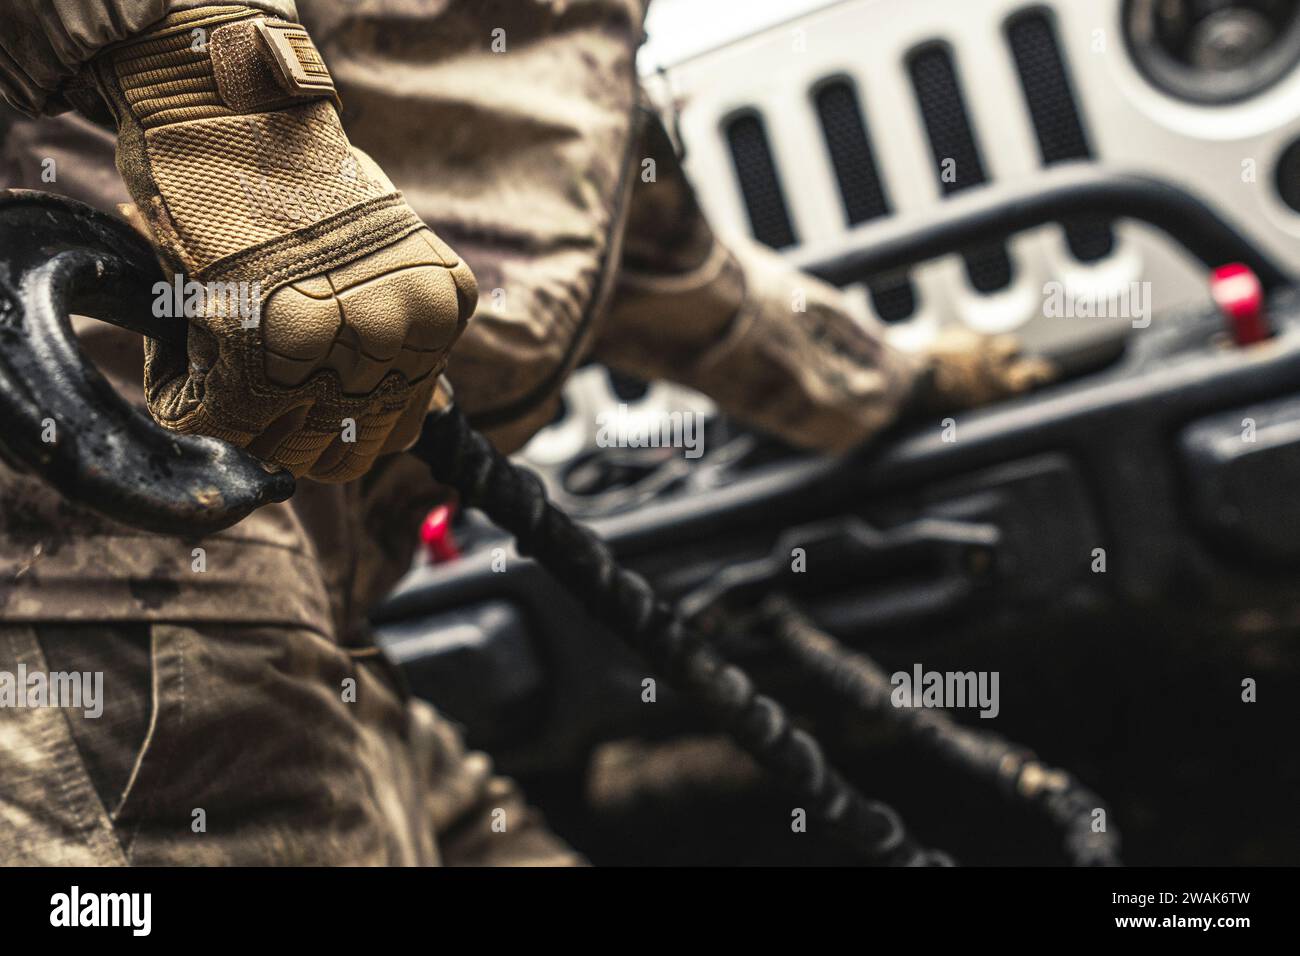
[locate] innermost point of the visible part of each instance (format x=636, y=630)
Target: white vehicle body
x=709, y=61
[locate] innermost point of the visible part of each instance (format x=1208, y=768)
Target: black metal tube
x=1059, y=194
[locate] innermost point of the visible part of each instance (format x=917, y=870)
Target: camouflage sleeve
x=771, y=346
x=44, y=43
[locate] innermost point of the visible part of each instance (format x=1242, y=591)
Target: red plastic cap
x=439, y=544
x=1240, y=297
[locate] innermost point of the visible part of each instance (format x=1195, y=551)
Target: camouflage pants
x=228, y=745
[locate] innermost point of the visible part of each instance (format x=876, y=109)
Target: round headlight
x=1213, y=51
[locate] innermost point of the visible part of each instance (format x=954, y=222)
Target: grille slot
x=1288, y=175
x=1054, y=111
x=948, y=128
x=760, y=185
x=862, y=190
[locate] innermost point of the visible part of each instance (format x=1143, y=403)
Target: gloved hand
x=964, y=369
x=329, y=308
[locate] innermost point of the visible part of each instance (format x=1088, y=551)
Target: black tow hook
x=61, y=417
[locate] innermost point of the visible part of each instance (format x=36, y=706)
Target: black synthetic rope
x=514, y=498
x=854, y=680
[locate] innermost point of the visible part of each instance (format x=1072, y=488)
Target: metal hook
x=61, y=418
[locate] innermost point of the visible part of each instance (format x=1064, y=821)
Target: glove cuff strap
x=262, y=63
x=218, y=61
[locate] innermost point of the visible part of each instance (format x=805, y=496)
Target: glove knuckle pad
x=299, y=325
x=398, y=307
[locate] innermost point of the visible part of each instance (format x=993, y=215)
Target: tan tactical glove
x=963, y=369
x=327, y=307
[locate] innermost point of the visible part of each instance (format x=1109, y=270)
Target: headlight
x=1213, y=51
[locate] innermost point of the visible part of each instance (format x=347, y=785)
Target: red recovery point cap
x=439, y=544
x=1240, y=297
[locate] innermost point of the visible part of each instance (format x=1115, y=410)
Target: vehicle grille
x=938, y=87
